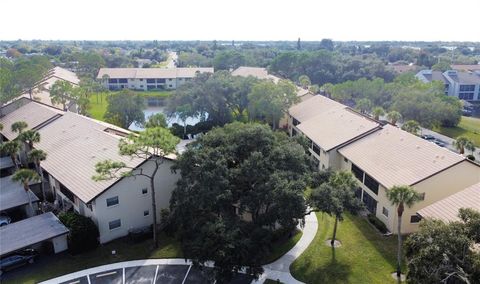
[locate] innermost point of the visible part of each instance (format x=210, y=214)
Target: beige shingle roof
x=74, y=145
x=334, y=127
x=395, y=157
x=447, y=208
x=313, y=107
x=146, y=73
x=257, y=72
x=33, y=114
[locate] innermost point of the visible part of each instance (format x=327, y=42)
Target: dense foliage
x=83, y=235
x=125, y=108
x=443, y=252
x=237, y=184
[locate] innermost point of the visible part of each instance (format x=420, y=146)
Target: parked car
x=5, y=220
x=18, y=259
x=428, y=137
x=439, y=142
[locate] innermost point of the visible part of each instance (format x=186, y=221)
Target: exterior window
x=112, y=81
x=112, y=201
x=123, y=81
x=422, y=196
x=146, y=213
x=345, y=160
x=371, y=183
x=141, y=80
x=161, y=81
x=144, y=190
x=170, y=86
x=114, y=224
x=295, y=122
x=316, y=149
x=357, y=172
x=385, y=212
x=141, y=86
x=294, y=132
x=370, y=203
x=150, y=80
x=415, y=219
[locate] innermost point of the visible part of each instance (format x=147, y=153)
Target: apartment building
x=460, y=84
x=145, y=79
x=327, y=125
x=392, y=157
x=74, y=144
x=380, y=157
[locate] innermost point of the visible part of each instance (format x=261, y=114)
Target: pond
x=170, y=120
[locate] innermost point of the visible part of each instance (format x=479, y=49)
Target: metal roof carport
x=34, y=230
x=13, y=195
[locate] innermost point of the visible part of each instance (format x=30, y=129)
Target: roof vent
x=401, y=138
x=418, y=147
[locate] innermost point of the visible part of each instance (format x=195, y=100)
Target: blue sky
x=426, y=20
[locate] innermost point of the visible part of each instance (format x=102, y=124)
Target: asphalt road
x=155, y=274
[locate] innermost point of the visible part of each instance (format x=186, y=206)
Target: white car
x=4, y=220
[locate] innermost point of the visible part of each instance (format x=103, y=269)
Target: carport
x=31, y=231
x=13, y=195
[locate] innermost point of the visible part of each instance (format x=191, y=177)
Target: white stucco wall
x=132, y=203
x=60, y=243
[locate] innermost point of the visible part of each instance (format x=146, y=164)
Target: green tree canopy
x=443, y=252
x=19, y=126
x=156, y=120
x=237, y=183
x=61, y=92
x=411, y=126
x=125, y=108
x=336, y=196
x=463, y=143
x=269, y=101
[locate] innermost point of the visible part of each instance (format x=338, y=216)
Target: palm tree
x=462, y=143
x=401, y=196
x=36, y=156
x=11, y=148
x=394, y=116
x=25, y=176
x=377, y=112
x=364, y=105
x=19, y=126
x=29, y=137
x=411, y=126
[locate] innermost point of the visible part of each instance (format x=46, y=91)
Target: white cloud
x=241, y=20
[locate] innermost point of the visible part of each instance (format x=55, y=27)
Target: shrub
x=83, y=234
x=377, y=223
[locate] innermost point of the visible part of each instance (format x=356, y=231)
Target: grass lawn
x=282, y=246
x=468, y=126
x=53, y=266
x=99, y=104
x=364, y=257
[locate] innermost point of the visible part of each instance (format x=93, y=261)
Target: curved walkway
x=277, y=270
x=280, y=269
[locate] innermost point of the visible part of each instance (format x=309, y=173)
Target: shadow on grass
x=386, y=246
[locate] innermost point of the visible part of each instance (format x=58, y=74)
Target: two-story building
x=460, y=84
x=327, y=125
x=74, y=144
x=380, y=157
x=145, y=79
x=393, y=157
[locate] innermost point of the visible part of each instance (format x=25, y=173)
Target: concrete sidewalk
x=280, y=269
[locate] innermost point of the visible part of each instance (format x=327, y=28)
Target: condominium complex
x=464, y=85
x=74, y=144
x=380, y=157
x=145, y=79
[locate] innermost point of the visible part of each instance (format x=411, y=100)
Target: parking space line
x=186, y=274
x=88, y=279
x=106, y=274
x=156, y=273
x=123, y=276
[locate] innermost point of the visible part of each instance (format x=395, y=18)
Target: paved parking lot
x=151, y=274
